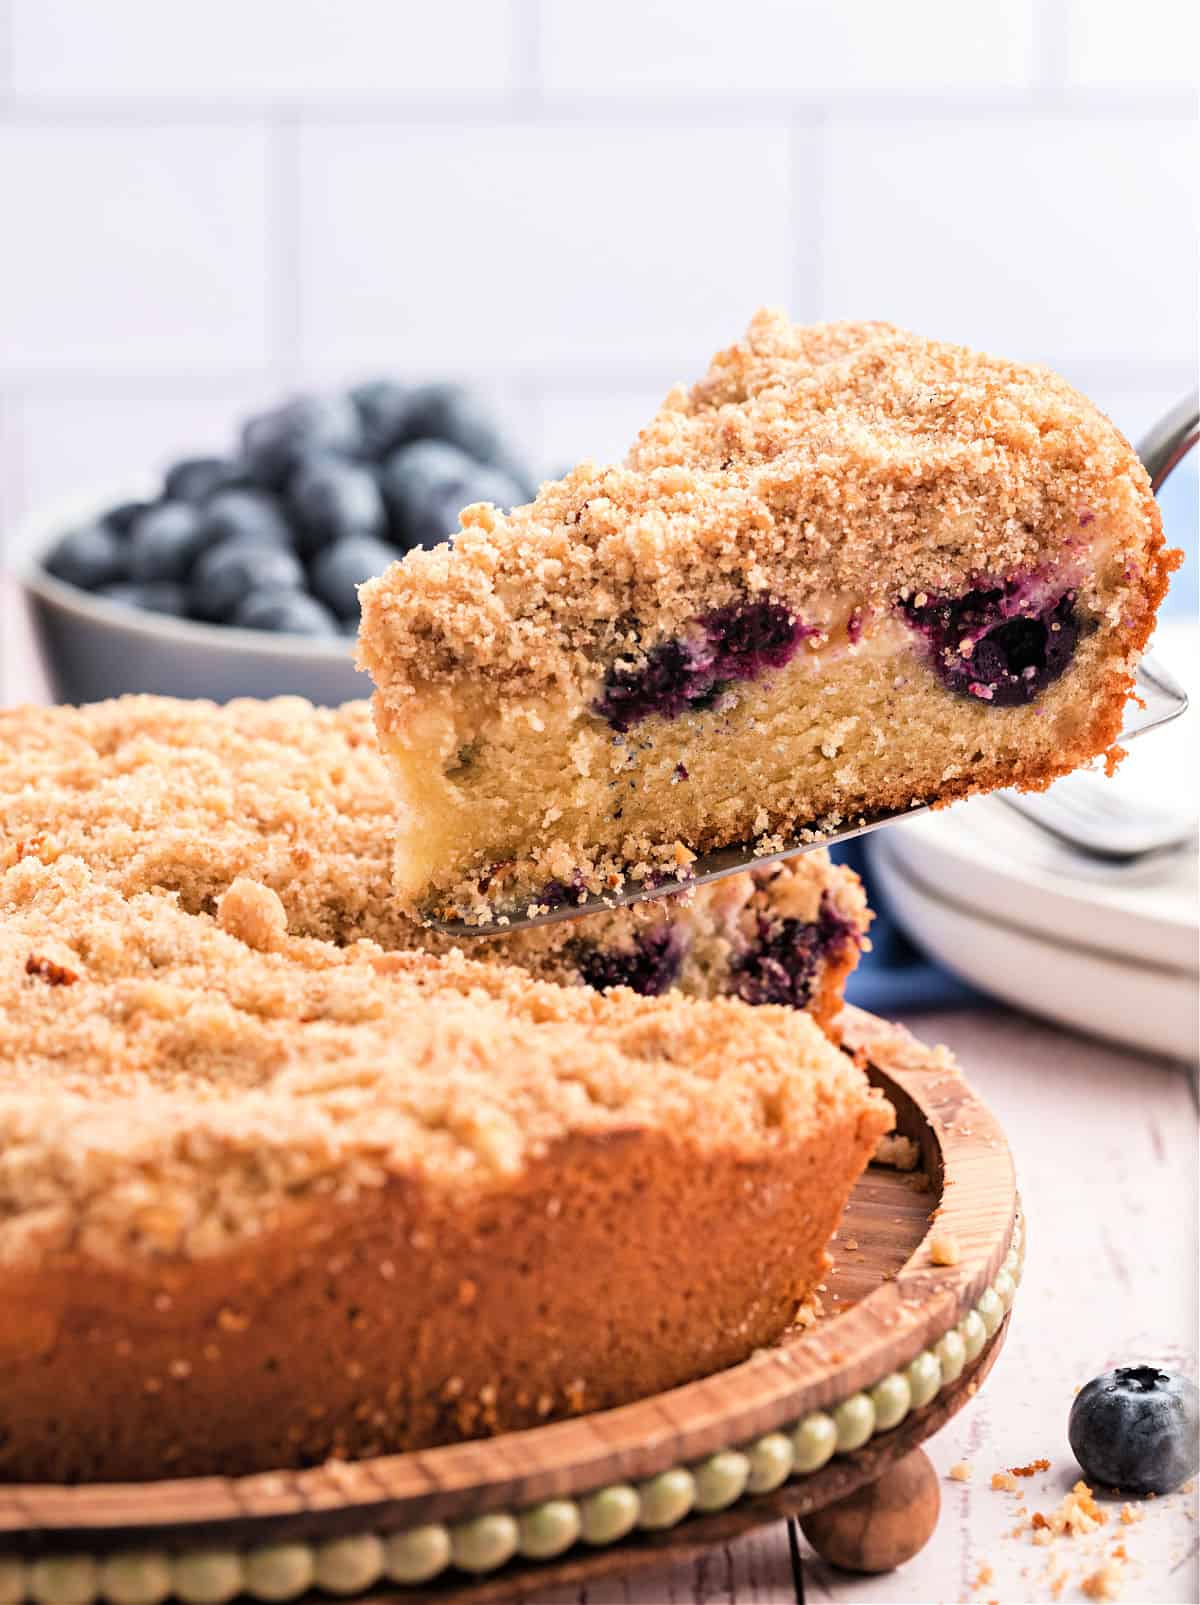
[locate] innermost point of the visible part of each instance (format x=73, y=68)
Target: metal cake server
x=1158, y=699
x=1078, y=809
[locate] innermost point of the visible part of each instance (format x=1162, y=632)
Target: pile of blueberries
x=323, y=494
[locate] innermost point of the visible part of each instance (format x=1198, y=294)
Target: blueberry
x=1002, y=646
x=385, y=410
x=229, y=572
x=427, y=484
x=451, y=413
x=341, y=568
x=251, y=517
x=780, y=964
x=164, y=542
x=1135, y=1429
x=650, y=966
x=331, y=498
x=195, y=479
x=154, y=596
x=689, y=674
x=274, y=443
x=88, y=557
x=121, y=517
x=288, y=612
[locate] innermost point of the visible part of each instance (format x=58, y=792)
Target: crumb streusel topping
x=159, y=795
x=811, y=464
x=170, y=1082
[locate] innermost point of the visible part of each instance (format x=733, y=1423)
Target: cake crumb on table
x=1077, y=1513
x=1031, y=1469
x=1104, y=1582
x=960, y=1471
x=1004, y=1482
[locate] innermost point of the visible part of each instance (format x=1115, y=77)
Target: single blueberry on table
x=274, y=443
x=164, y=542
x=340, y=569
x=226, y=574
x=1136, y=1429
x=247, y=516
x=285, y=612
x=88, y=557
x=150, y=596
x=331, y=498
x=195, y=479
x=649, y=967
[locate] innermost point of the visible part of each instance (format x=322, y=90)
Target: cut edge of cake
x=188, y=799
x=841, y=538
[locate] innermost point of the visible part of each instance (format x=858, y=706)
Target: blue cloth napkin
x=896, y=977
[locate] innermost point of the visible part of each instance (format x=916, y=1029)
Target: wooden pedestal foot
x=883, y=1523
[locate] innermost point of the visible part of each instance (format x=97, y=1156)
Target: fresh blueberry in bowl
x=252, y=517
x=385, y=409
x=150, y=596
x=340, y=569
x=285, y=613
x=121, y=518
x=164, y=541
x=89, y=557
x=331, y=498
x=275, y=443
x=1136, y=1429
x=428, y=483
x=228, y=573
x=454, y=414
x=195, y=479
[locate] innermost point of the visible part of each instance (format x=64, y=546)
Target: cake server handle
x=1168, y=442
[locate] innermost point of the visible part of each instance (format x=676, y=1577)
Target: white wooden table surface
x=1105, y=1145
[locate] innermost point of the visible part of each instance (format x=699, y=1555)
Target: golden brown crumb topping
x=199, y=1076
x=812, y=464
x=154, y=794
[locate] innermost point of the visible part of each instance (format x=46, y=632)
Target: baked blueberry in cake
x=184, y=798
x=849, y=570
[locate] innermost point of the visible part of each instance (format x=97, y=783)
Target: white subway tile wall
x=208, y=205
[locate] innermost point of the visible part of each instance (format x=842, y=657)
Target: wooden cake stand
x=825, y=1426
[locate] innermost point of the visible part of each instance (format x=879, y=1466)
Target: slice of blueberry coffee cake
x=187, y=798
x=848, y=571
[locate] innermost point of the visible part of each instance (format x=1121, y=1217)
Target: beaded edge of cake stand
x=544, y=1531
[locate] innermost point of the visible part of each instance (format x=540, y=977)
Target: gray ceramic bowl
x=92, y=649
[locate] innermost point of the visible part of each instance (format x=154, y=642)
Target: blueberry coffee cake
x=158, y=795
x=265, y=1199
x=847, y=571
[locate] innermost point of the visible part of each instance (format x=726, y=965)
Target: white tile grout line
x=1099, y=372
x=1052, y=45
x=7, y=64
x=283, y=255
x=525, y=33
x=807, y=220
x=492, y=109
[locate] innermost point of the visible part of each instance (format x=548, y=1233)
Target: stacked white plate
x=1113, y=951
